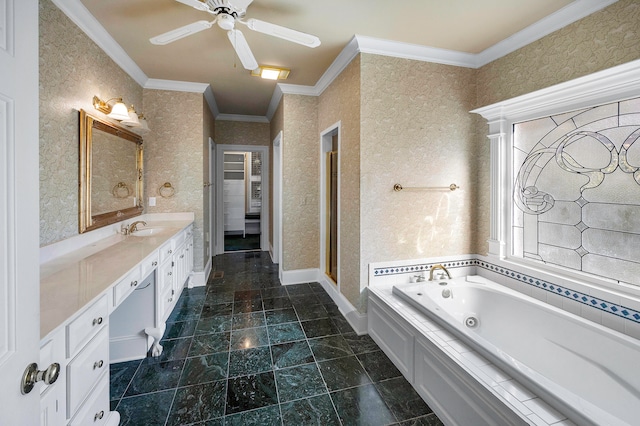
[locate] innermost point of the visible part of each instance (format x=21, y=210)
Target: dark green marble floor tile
x=287, y=332
x=249, y=338
x=172, y=350
x=317, y=410
x=362, y=406
x=319, y=328
x=360, y=344
x=379, y=366
x=249, y=305
x=271, y=292
x=205, y=368
x=251, y=392
x=280, y=316
x=155, y=376
x=342, y=324
x=276, y=303
x=304, y=300
x=197, y=403
x=428, y=420
x=299, y=382
x=180, y=329
x=330, y=347
x=147, y=409
x=291, y=353
x=213, y=422
x=120, y=375
x=343, y=373
x=309, y=312
x=219, y=297
x=402, y=399
x=217, y=324
x=267, y=416
x=249, y=361
x=205, y=344
x=248, y=320
x=298, y=289
x=212, y=310
x=247, y=295
x=316, y=287
x=185, y=312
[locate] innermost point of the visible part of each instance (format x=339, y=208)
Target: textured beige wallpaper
x=604, y=39
x=416, y=131
x=341, y=102
x=72, y=70
x=174, y=153
x=300, y=177
x=242, y=133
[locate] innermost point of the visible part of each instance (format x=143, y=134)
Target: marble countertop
x=73, y=281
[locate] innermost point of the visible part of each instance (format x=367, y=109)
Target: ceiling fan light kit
x=228, y=13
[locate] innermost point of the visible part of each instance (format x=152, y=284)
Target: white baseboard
x=357, y=320
x=299, y=276
x=199, y=279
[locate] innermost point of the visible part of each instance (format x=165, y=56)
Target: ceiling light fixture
x=271, y=73
x=117, y=111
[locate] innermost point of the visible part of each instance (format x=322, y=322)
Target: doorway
x=330, y=202
x=242, y=198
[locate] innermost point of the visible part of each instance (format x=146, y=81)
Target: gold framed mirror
x=111, y=186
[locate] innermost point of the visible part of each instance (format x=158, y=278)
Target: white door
x=19, y=209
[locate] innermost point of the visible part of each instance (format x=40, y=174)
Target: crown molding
x=244, y=118
x=176, y=86
x=80, y=16
x=211, y=101
x=610, y=85
x=567, y=15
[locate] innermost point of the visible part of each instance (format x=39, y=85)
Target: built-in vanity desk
x=99, y=303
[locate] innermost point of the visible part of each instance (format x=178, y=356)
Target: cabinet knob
x=170, y=251
x=98, y=364
x=32, y=376
x=134, y=283
x=182, y=256
x=98, y=416
x=170, y=273
x=154, y=263
x=97, y=321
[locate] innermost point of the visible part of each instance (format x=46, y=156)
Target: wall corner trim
x=244, y=118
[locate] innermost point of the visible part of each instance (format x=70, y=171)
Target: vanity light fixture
x=117, y=111
x=132, y=120
x=271, y=73
x=144, y=126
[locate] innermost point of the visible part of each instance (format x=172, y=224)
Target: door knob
x=32, y=376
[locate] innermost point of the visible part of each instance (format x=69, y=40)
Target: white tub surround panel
x=90, y=281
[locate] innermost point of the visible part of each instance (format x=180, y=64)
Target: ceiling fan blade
x=181, y=32
x=282, y=32
x=243, y=50
x=195, y=4
x=240, y=4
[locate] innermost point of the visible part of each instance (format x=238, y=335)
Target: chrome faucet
x=134, y=226
x=438, y=266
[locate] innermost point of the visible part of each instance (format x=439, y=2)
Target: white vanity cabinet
x=90, y=289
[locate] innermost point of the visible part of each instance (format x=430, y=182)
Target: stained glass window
x=576, y=198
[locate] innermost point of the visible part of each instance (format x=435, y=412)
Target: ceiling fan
x=227, y=13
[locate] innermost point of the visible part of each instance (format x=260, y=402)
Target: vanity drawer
x=166, y=251
x=165, y=277
x=84, y=371
x=149, y=264
x=126, y=286
x=166, y=302
x=85, y=326
x=95, y=411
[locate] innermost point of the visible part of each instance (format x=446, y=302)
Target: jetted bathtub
x=588, y=372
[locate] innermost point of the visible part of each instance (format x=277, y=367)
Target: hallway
x=245, y=350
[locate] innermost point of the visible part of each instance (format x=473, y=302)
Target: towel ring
x=166, y=190
x=121, y=190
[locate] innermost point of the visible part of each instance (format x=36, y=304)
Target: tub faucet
x=134, y=226
x=438, y=266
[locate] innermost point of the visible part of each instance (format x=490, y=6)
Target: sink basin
x=147, y=232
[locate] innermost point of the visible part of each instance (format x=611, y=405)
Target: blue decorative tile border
x=585, y=299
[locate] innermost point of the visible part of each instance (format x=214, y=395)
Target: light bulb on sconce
x=115, y=109
x=132, y=119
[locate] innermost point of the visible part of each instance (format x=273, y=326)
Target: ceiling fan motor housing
x=223, y=7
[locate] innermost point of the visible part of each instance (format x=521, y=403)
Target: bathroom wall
x=300, y=189
x=174, y=154
x=72, y=70
x=241, y=133
x=604, y=39
x=208, y=131
x=416, y=131
x=341, y=102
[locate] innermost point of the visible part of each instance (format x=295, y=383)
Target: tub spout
x=438, y=266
